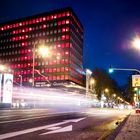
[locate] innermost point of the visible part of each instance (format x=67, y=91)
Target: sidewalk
x=131, y=129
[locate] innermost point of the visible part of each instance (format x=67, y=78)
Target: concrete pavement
x=131, y=128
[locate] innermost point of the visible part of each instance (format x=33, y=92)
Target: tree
x=130, y=90
x=103, y=81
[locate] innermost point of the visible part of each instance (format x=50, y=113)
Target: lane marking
x=17, y=133
x=64, y=129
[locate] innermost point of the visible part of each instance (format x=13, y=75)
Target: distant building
x=62, y=33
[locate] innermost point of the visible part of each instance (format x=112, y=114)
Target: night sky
x=109, y=28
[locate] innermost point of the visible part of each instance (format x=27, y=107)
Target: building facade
x=62, y=33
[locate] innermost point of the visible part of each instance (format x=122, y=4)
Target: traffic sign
x=135, y=80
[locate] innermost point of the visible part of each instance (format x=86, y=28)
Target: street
x=47, y=124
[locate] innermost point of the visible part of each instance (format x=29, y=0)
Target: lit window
x=68, y=13
x=44, y=18
x=67, y=29
x=59, y=23
x=20, y=24
x=30, y=29
x=67, y=36
x=63, y=22
x=59, y=15
x=63, y=37
x=63, y=29
x=67, y=21
x=63, y=14
x=23, y=30
x=44, y=26
x=55, y=16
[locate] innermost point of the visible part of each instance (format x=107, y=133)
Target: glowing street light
x=92, y=81
x=114, y=95
x=136, y=43
x=44, y=51
x=106, y=90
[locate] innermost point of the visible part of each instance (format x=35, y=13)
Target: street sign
x=135, y=80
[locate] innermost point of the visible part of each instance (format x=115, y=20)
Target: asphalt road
x=46, y=124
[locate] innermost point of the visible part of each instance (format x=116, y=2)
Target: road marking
x=64, y=129
x=37, y=117
x=17, y=133
x=53, y=128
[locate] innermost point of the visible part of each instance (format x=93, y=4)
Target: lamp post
x=88, y=74
x=44, y=51
x=20, y=80
x=33, y=74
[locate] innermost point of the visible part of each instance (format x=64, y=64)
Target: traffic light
x=111, y=69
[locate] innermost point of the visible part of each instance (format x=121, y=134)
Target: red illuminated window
x=63, y=14
x=51, y=17
x=68, y=13
x=66, y=77
x=20, y=24
x=63, y=37
x=63, y=22
x=54, y=69
x=55, y=16
x=67, y=29
x=67, y=37
x=63, y=29
x=14, y=32
x=2, y=28
x=67, y=45
x=26, y=22
x=54, y=77
x=48, y=18
x=59, y=15
x=23, y=30
x=62, y=69
x=30, y=29
x=46, y=70
x=62, y=45
x=58, y=77
x=62, y=77
x=59, y=23
x=22, y=44
x=66, y=53
x=50, y=78
x=13, y=39
x=58, y=45
x=40, y=19
x=26, y=29
x=50, y=70
x=44, y=26
x=66, y=69
x=26, y=36
x=67, y=21
x=44, y=18
x=58, y=69
x=37, y=20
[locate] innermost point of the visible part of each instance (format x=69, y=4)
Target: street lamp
x=88, y=74
x=44, y=51
x=136, y=43
x=20, y=80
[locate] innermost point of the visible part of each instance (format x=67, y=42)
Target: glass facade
x=61, y=32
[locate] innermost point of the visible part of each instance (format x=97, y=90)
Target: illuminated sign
x=135, y=80
x=7, y=88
